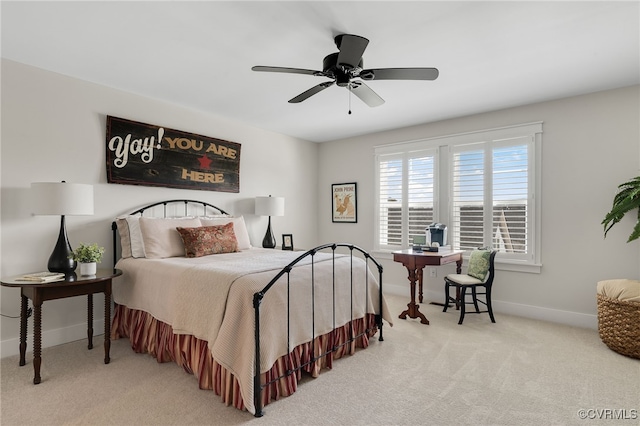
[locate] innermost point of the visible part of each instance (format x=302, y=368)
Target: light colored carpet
x=515, y=372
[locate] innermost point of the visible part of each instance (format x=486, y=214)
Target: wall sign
x=344, y=203
x=149, y=155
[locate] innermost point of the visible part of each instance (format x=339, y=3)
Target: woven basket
x=619, y=325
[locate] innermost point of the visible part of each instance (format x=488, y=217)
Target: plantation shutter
x=420, y=193
x=510, y=196
x=390, y=201
x=468, y=195
x=405, y=197
x=490, y=189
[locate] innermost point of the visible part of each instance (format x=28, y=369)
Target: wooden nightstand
x=72, y=286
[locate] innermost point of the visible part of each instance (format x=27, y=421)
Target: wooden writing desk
x=415, y=263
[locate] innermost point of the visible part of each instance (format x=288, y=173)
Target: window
x=482, y=185
x=405, y=196
x=491, y=196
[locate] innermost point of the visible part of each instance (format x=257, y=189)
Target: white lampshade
x=61, y=198
x=270, y=206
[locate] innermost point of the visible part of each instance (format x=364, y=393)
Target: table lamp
x=61, y=198
x=269, y=206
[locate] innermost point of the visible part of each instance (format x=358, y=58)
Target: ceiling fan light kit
x=345, y=69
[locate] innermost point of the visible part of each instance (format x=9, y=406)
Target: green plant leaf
x=87, y=253
x=626, y=199
x=636, y=230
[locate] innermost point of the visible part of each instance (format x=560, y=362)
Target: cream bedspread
x=211, y=298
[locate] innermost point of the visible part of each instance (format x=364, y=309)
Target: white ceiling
x=491, y=55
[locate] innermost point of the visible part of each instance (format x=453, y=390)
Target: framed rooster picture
x=344, y=202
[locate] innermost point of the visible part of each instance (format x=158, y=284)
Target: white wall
x=590, y=145
x=53, y=129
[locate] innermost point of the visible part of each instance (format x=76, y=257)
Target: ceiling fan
x=344, y=68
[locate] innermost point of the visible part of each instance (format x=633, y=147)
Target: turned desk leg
x=419, y=273
x=90, y=320
x=412, y=308
x=37, y=340
x=107, y=322
x=23, y=328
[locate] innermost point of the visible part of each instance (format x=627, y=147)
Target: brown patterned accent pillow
x=206, y=240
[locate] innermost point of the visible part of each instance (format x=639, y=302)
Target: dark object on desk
x=420, y=249
x=437, y=233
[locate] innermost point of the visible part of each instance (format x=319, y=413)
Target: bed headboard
x=189, y=207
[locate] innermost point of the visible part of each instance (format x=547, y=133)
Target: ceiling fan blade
x=351, y=49
x=307, y=94
x=287, y=70
x=365, y=94
x=400, y=74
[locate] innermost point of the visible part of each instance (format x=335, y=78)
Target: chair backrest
x=491, y=273
x=477, y=264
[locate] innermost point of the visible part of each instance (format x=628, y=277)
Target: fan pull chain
x=349, y=99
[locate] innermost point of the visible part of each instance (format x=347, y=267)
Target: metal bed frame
x=287, y=270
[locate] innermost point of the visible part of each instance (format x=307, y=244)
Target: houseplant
x=618, y=312
x=626, y=200
x=88, y=255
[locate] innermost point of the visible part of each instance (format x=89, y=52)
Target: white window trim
x=442, y=210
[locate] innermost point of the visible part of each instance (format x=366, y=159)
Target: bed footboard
x=286, y=271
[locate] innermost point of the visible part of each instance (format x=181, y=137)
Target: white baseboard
x=55, y=337
x=527, y=311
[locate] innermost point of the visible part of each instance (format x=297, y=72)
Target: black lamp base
x=59, y=261
x=269, y=240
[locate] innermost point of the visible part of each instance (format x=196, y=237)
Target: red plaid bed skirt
x=149, y=335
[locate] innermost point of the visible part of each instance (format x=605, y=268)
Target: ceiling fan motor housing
x=342, y=76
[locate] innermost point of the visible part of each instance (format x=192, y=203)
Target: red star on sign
x=205, y=162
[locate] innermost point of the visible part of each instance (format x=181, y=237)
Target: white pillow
x=215, y=216
x=239, y=227
x=131, y=244
x=137, y=244
x=160, y=237
x=125, y=238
